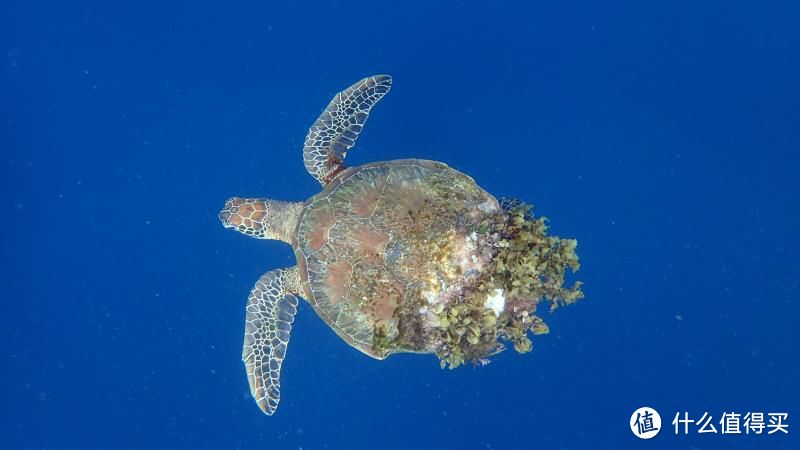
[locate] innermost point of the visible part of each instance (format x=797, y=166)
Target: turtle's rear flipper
x=510, y=203
x=337, y=128
x=270, y=312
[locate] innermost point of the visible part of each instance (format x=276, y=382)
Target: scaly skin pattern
x=337, y=128
x=261, y=218
x=271, y=308
x=385, y=244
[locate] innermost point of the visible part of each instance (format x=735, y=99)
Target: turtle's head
x=261, y=218
x=245, y=215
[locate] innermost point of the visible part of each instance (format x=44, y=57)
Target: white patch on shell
x=496, y=302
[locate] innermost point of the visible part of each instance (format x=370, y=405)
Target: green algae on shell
x=529, y=267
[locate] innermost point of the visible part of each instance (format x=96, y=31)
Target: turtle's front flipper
x=270, y=313
x=337, y=128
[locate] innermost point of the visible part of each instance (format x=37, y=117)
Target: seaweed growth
x=529, y=267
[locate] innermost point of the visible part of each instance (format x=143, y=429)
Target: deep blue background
x=663, y=135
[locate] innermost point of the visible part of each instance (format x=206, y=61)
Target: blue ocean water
x=663, y=136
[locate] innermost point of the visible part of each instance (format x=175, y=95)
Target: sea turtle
x=397, y=256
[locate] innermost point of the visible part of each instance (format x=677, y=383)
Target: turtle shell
x=383, y=243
